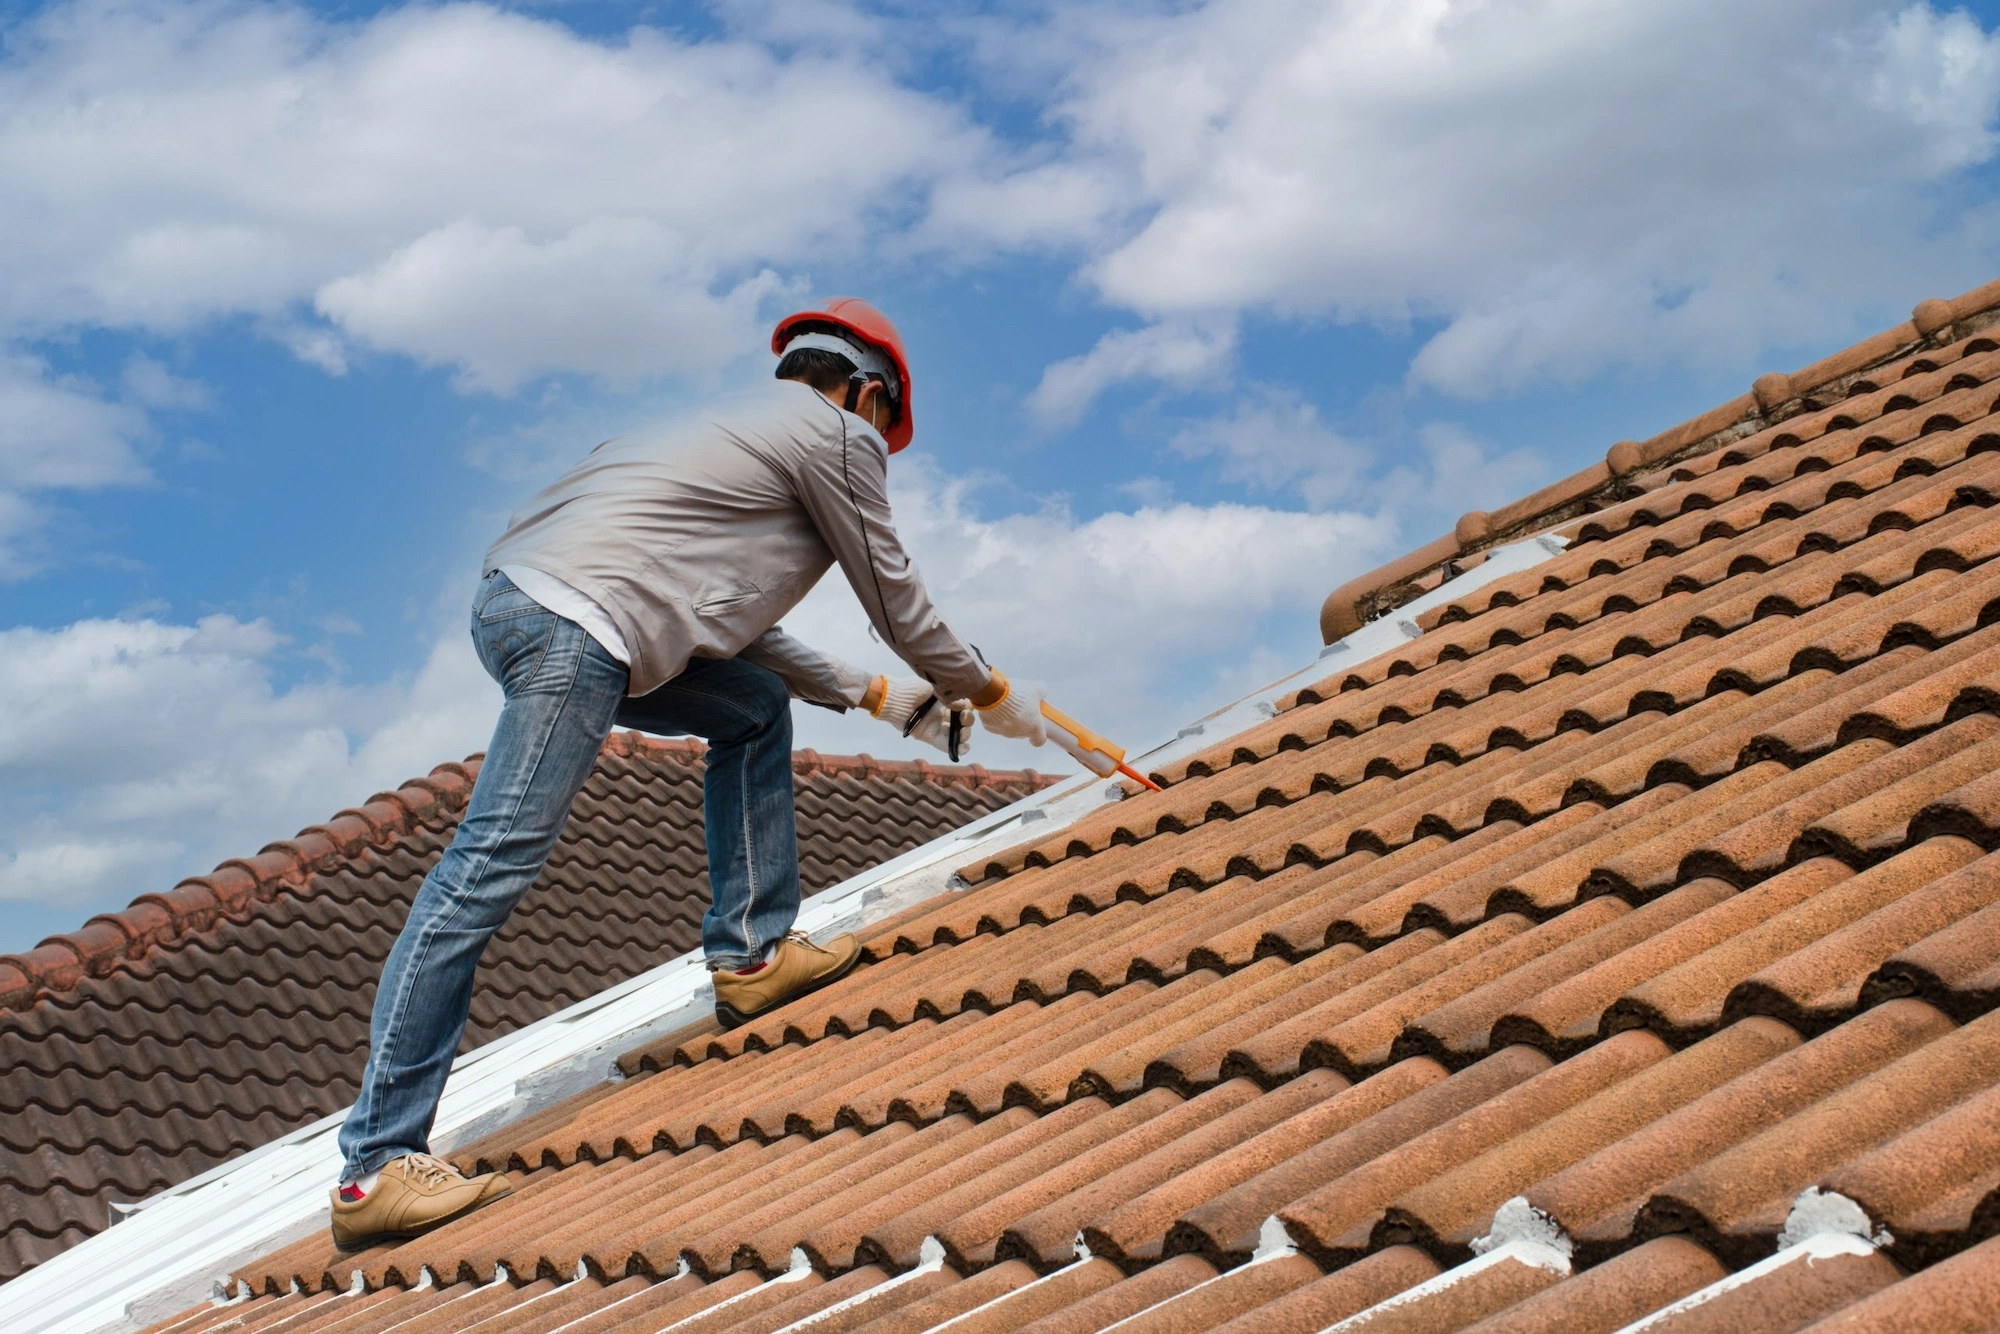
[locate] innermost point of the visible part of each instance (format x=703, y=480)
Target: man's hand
x=1018, y=711
x=911, y=707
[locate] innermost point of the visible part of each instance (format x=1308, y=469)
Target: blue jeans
x=563, y=693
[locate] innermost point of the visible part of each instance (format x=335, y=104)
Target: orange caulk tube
x=1094, y=752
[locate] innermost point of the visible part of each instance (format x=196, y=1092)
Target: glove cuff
x=1006, y=689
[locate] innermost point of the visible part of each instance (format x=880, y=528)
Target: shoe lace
x=805, y=940
x=423, y=1169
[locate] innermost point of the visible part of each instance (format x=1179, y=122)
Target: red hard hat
x=872, y=327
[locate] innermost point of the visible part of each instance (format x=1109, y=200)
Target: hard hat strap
x=867, y=360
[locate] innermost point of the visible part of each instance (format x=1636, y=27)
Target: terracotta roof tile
x=1694, y=996
x=1599, y=908
x=1957, y=1296
x=1458, y=1298
x=1789, y=1295
x=1340, y=1294
x=1622, y=1290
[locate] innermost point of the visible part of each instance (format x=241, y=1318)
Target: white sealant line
x=801, y=1269
x=1822, y=1225
x=930, y=1259
x=1264, y=1254
x=605, y=1311
x=1083, y=1257
x=172, y=1250
x=1521, y=1252
x=557, y=1291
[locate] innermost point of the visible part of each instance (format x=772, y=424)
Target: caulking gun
x=1095, y=753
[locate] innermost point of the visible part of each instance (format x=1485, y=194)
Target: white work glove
x=1018, y=713
x=903, y=696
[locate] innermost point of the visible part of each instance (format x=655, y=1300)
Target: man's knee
x=763, y=695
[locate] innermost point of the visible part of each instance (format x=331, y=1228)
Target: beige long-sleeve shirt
x=698, y=540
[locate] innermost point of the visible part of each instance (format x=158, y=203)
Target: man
x=644, y=589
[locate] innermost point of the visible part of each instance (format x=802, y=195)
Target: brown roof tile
x=1787, y=1297
x=1623, y=1289
x=1958, y=1296
x=1734, y=1202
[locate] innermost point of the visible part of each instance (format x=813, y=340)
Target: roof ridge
x=108, y=939
x=197, y=902
x=1773, y=397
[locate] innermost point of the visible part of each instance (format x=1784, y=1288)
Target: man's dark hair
x=825, y=371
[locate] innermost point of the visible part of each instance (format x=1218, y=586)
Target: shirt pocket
x=719, y=605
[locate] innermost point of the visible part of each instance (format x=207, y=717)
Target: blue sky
x=1212, y=306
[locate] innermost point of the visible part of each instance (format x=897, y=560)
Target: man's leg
x=561, y=691
x=744, y=713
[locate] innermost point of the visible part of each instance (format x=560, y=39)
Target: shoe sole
x=730, y=1017
x=375, y=1239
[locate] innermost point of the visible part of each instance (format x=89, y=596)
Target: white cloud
x=1563, y=185
x=471, y=186
x=205, y=756
x=57, y=432
x=149, y=384
x=607, y=298
x=1182, y=354
x=1458, y=471
x=1272, y=440
x=1567, y=185
x=1056, y=204
x=1137, y=622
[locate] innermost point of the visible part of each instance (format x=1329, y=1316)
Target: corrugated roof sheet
x=187, y=1039
x=1619, y=949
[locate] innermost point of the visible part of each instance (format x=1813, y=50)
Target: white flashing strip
x=179, y=1246
x=1499, y=563
x=1370, y=641
x=1521, y=1252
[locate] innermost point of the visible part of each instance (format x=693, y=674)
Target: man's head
x=851, y=353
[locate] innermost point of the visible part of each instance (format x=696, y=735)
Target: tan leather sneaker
x=798, y=967
x=414, y=1194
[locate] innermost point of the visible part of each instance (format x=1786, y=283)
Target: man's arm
x=815, y=677
x=844, y=487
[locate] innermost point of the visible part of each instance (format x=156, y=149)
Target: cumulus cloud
x=1181, y=354
x=470, y=186
x=57, y=432
x=610, y=297
x=1566, y=185
x=1274, y=440
x=136, y=751
x=1562, y=185
x=1455, y=471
